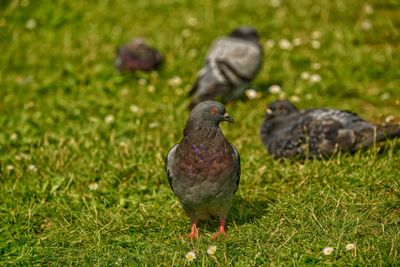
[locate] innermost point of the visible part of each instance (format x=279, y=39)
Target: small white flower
x=275, y=3
x=153, y=124
x=316, y=65
x=315, y=78
x=316, y=35
x=10, y=167
x=192, y=21
x=109, y=119
x=190, y=256
x=175, y=81
x=368, y=9
x=30, y=24
x=151, y=88
x=134, y=109
x=251, y=93
x=315, y=44
x=350, y=246
x=124, y=92
x=211, y=250
x=270, y=43
x=32, y=168
x=142, y=82
x=309, y=96
x=384, y=96
x=297, y=42
x=186, y=33
x=275, y=89
x=305, y=75
x=366, y=25
x=93, y=186
x=13, y=136
x=327, y=251
x=389, y=119
x=295, y=99
x=285, y=44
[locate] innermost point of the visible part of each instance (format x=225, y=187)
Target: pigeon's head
x=245, y=33
x=210, y=111
x=280, y=108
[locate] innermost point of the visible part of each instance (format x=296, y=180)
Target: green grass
x=58, y=84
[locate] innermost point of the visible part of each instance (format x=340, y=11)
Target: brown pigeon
x=231, y=63
x=288, y=132
x=137, y=55
x=204, y=168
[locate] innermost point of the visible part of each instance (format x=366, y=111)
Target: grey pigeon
x=137, y=55
x=204, y=168
x=231, y=63
x=288, y=132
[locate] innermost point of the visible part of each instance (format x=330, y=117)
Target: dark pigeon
x=204, y=168
x=231, y=63
x=288, y=132
x=137, y=55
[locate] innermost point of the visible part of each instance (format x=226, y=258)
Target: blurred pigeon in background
x=204, y=168
x=231, y=63
x=137, y=55
x=288, y=132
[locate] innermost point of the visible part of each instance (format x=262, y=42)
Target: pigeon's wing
x=238, y=61
x=168, y=163
x=236, y=158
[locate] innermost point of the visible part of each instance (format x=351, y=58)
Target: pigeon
x=231, y=63
x=204, y=168
x=137, y=55
x=320, y=132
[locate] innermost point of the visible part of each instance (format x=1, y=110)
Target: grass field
x=81, y=147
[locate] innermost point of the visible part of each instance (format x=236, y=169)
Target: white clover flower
x=32, y=168
x=285, y=44
x=270, y=43
x=153, y=124
x=93, y=186
x=192, y=21
x=142, y=82
x=316, y=35
x=315, y=44
x=305, y=75
x=10, y=167
x=186, y=33
x=350, y=246
x=368, y=9
x=275, y=89
x=211, y=250
x=327, y=251
x=316, y=65
x=134, y=109
x=251, y=93
x=297, y=42
x=190, y=256
x=109, y=119
x=175, y=81
x=275, y=3
x=384, y=96
x=366, y=25
x=124, y=91
x=13, y=136
x=295, y=99
x=151, y=88
x=315, y=78
x=309, y=96
x=30, y=24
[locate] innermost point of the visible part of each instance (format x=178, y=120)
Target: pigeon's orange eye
x=214, y=110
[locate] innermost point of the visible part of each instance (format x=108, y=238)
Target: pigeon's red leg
x=194, y=233
x=221, y=229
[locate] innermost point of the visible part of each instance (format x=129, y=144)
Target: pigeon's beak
x=269, y=111
x=228, y=118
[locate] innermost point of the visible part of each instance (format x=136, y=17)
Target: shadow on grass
x=246, y=211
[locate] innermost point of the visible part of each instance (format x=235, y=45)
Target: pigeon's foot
x=221, y=230
x=194, y=233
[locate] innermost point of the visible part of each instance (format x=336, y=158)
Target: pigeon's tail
x=382, y=133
